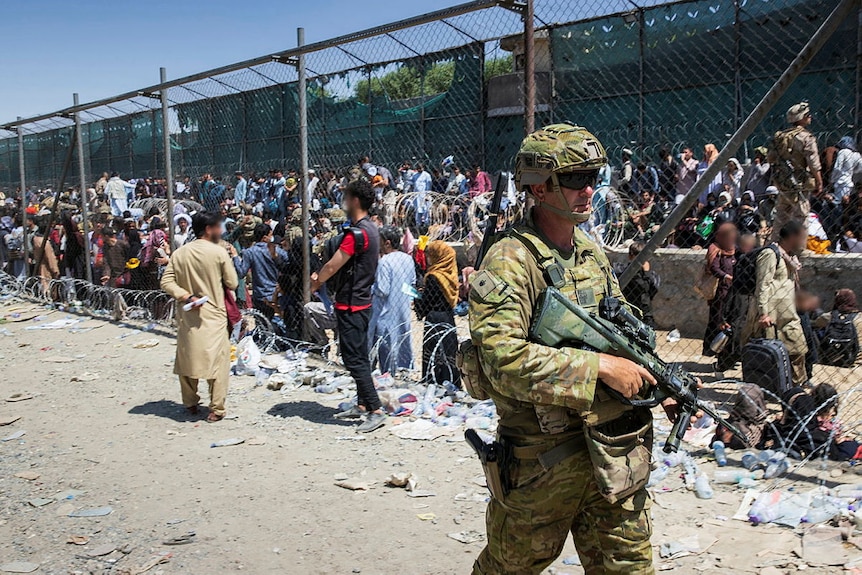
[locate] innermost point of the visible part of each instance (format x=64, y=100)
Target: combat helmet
x=555, y=150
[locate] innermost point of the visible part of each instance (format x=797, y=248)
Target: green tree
x=498, y=67
x=406, y=82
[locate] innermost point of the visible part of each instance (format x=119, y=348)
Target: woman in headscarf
x=74, y=258
x=710, y=153
x=731, y=178
x=155, y=255
x=436, y=307
x=720, y=259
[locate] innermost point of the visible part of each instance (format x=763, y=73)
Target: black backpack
x=839, y=345
x=745, y=271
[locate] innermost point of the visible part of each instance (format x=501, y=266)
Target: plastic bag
x=247, y=356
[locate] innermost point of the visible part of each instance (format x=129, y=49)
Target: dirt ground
x=119, y=438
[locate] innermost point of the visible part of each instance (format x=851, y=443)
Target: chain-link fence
x=425, y=109
x=641, y=77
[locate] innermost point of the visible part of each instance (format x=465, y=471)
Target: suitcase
x=766, y=363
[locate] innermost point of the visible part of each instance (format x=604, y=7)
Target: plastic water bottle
x=776, y=466
x=720, y=453
x=674, y=336
x=658, y=475
x=731, y=476
x=691, y=473
x=749, y=460
x=823, y=508
x=764, y=456
x=766, y=508
x=330, y=387
x=261, y=377
x=702, y=488
x=428, y=400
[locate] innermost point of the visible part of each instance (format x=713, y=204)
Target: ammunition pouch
x=620, y=452
x=472, y=376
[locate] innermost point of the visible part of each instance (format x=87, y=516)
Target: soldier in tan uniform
x=549, y=400
x=795, y=164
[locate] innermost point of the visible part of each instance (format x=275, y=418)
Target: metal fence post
x=85, y=195
x=23, y=197
x=166, y=138
x=803, y=58
x=529, y=69
x=857, y=120
x=303, y=162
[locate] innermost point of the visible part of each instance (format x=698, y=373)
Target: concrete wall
x=678, y=305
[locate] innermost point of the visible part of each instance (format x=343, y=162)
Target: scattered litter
x=572, y=560
x=421, y=493
x=398, y=479
x=78, y=540
x=147, y=343
x=467, y=536
x=157, y=560
x=181, y=540
x=19, y=397
x=95, y=512
x=421, y=429
x=8, y=419
x=686, y=546
x=174, y=522
x=427, y=516
x=14, y=436
x=101, y=550
x=86, y=376
x=40, y=501
x=57, y=324
x=19, y=567
x=28, y=475
x=69, y=494
x=59, y=359
x=228, y=442
x=353, y=484
x=258, y=440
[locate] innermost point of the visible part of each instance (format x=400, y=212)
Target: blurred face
x=111, y=240
x=213, y=233
x=183, y=225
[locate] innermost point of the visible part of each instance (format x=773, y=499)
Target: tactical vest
x=585, y=280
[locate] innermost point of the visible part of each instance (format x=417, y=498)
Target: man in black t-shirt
x=355, y=264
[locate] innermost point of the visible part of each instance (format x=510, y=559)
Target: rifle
x=616, y=331
x=493, y=214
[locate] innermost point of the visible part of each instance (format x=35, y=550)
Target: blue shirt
x=264, y=269
x=241, y=191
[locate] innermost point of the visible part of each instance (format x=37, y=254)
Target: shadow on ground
x=310, y=411
x=169, y=410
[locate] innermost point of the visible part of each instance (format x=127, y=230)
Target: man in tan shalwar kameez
x=197, y=269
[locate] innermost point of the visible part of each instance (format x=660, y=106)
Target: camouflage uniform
x=801, y=151
x=294, y=230
x=542, y=395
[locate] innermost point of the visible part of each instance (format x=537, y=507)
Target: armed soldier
x=795, y=164
x=571, y=458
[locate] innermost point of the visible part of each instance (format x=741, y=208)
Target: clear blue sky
x=52, y=48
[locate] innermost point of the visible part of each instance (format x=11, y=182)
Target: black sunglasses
x=578, y=180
